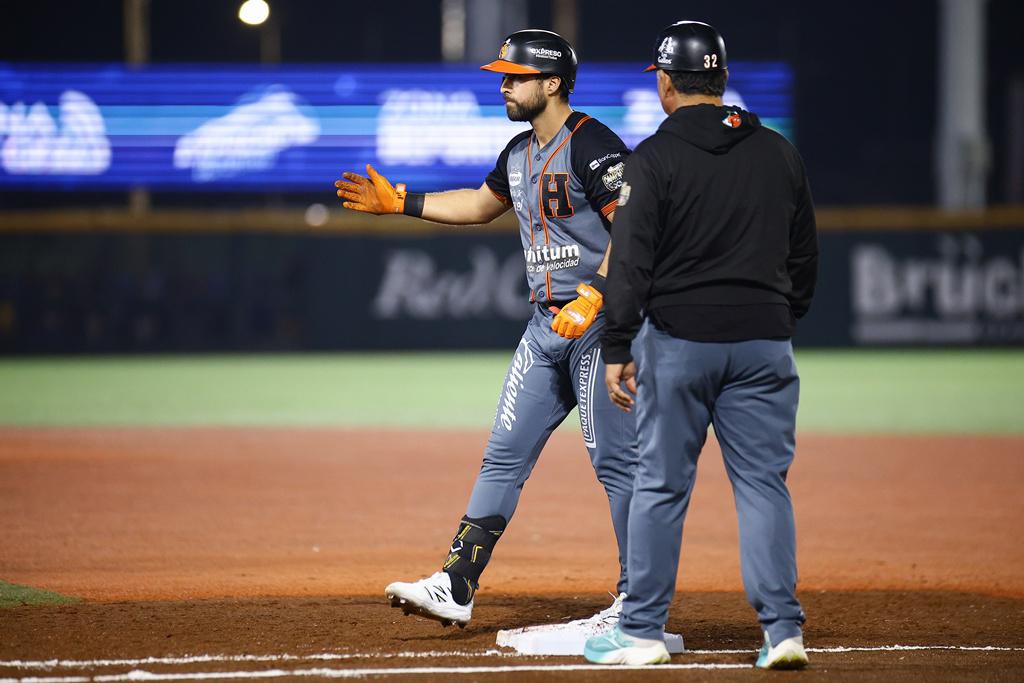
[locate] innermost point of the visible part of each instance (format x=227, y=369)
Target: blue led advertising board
x=222, y=127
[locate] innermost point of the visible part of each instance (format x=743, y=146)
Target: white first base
x=564, y=639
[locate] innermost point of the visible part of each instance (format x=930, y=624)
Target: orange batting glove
x=577, y=315
x=371, y=195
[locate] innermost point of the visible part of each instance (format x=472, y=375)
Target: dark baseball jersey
x=562, y=194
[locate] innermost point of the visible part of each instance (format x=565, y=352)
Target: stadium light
x=254, y=12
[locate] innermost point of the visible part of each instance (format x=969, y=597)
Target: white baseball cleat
x=789, y=654
x=431, y=598
x=569, y=638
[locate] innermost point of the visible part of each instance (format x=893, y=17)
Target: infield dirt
x=256, y=541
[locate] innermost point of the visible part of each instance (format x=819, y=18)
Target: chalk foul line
x=322, y=672
x=210, y=659
x=427, y=654
x=138, y=675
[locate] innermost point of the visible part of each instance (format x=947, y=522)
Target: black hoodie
x=714, y=236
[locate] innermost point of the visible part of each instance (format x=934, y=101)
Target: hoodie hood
x=713, y=129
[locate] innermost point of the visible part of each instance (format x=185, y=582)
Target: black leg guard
x=471, y=551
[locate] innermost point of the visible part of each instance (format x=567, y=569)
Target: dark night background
x=865, y=72
x=142, y=278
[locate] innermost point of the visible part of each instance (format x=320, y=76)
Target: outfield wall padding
x=236, y=290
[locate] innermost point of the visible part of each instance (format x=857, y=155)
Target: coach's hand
x=617, y=374
x=577, y=315
x=373, y=194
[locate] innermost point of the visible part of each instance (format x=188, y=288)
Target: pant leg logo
x=521, y=364
x=585, y=397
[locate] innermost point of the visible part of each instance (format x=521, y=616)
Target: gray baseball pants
x=549, y=376
x=748, y=391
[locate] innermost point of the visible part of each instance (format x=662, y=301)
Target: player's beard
x=527, y=110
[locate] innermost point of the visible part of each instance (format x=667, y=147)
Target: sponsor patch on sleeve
x=612, y=178
x=596, y=163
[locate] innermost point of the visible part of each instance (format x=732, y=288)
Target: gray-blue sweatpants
x=748, y=391
x=549, y=376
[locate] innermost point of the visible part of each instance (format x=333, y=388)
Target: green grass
x=420, y=390
x=13, y=595
x=848, y=391
x=912, y=391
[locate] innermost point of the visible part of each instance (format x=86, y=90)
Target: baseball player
x=561, y=177
x=715, y=245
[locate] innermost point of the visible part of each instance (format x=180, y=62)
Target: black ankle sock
x=462, y=591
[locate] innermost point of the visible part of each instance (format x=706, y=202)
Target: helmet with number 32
x=689, y=46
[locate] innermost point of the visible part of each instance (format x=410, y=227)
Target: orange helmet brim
x=503, y=66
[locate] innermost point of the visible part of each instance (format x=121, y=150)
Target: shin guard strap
x=472, y=546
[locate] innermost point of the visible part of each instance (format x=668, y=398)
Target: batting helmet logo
x=666, y=50
x=503, y=52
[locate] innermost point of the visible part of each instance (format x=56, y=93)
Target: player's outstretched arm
x=375, y=194
x=463, y=207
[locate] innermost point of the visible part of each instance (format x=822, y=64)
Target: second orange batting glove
x=373, y=194
x=577, y=315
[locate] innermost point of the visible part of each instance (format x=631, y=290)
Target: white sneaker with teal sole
x=789, y=654
x=615, y=647
x=609, y=618
x=569, y=638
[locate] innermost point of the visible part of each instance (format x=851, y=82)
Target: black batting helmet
x=689, y=46
x=535, y=51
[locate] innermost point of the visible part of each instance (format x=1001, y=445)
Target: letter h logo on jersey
x=555, y=195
